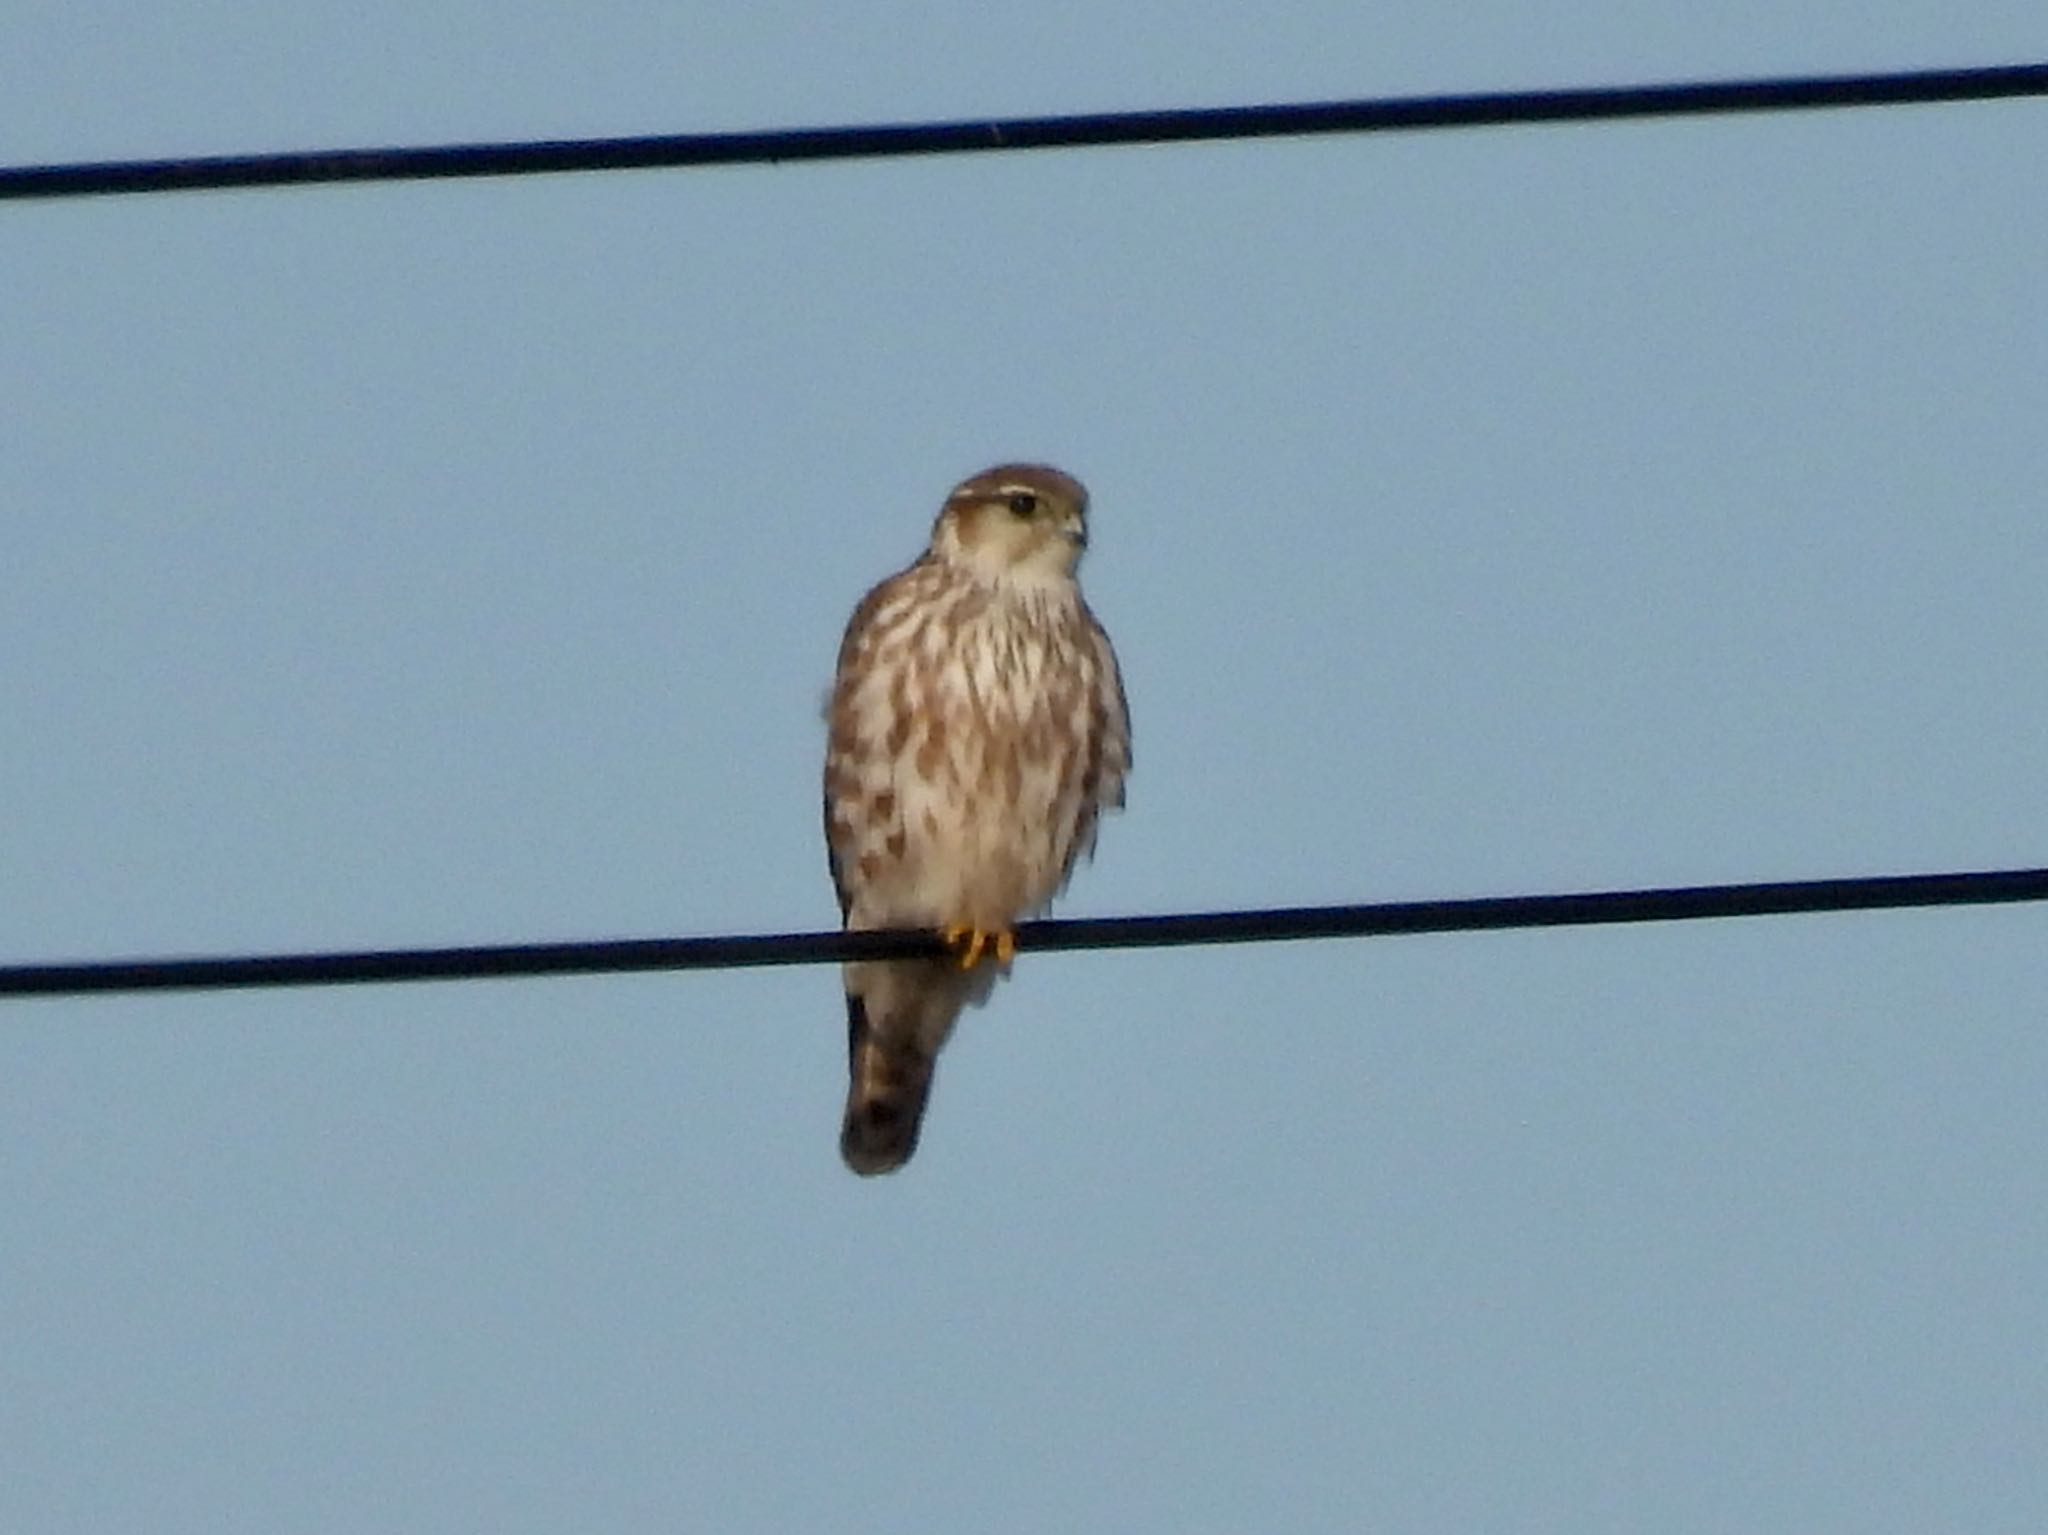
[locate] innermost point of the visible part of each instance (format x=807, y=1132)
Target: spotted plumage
x=977, y=729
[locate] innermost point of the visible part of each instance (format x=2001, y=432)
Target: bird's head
x=1027, y=521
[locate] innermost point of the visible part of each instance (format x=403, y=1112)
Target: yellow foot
x=973, y=943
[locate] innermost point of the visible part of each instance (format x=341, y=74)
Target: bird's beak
x=1075, y=531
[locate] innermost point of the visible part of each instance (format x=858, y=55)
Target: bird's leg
x=971, y=943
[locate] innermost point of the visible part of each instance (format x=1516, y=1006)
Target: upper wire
x=775, y=146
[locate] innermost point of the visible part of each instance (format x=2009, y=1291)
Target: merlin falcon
x=977, y=729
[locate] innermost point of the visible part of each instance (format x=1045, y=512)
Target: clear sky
x=1475, y=513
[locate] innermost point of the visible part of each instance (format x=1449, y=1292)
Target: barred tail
x=885, y=1097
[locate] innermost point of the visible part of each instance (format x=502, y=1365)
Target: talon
x=966, y=938
x=973, y=944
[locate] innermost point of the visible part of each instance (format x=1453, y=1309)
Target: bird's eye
x=1023, y=502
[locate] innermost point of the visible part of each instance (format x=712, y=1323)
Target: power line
x=619, y=956
x=775, y=146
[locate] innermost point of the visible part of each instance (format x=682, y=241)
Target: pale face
x=1016, y=520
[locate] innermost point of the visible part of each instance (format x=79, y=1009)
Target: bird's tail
x=890, y=1078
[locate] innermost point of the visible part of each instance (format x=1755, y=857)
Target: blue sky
x=1474, y=513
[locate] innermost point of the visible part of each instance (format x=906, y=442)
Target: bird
x=976, y=729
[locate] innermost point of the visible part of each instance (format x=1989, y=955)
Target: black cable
x=615, y=956
x=773, y=146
